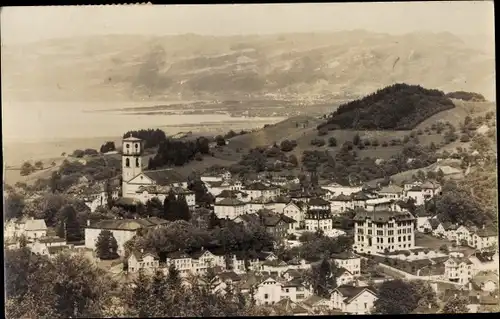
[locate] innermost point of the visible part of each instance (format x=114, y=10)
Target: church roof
x=131, y=138
x=165, y=176
x=127, y=224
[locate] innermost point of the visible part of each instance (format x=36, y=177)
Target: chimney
x=88, y=222
x=142, y=250
x=202, y=248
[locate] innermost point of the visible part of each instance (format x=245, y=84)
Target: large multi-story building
x=381, y=231
x=318, y=215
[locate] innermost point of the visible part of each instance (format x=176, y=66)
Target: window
x=266, y=296
x=136, y=145
x=287, y=290
x=137, y=162
x=127, y=162
x=366, y=305
x=127, y=145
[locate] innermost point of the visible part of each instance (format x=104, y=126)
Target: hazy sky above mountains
x=28, y=24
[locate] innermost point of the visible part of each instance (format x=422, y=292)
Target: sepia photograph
x=249, y=159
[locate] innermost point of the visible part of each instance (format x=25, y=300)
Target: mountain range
x=340, y=65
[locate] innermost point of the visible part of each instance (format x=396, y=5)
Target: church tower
x=131, y=159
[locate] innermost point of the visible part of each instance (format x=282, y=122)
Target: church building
x=142, y=185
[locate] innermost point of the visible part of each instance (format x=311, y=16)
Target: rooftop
x=128, y=224
x=229, y=201
x=384, y=216
x=165, y=177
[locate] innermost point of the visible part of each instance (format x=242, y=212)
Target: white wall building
x=353, y=300
x=229, y=208
x=383, y=230
x=122, y=229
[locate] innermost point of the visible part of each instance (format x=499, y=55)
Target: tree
x=456, y=305
x=286, y=146
x=109, y=146
x=183, y=211
x=356, y=139
x=78, y=153
x=154, y=207
x=139, y=300
x=174, y=280
x=106, y=245
x=27, y=168
x=332, y=142
x=219, y=139
x=14, y=206
x=322, y=278
x=71, y=225
x=170, y=206
x=38, y=165
x=396, y=297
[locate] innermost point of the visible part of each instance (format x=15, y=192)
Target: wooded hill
x=396, y=107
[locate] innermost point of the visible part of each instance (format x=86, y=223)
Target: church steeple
x=132, y=148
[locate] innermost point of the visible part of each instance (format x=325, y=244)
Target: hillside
x=345, y=64
x=396, y=107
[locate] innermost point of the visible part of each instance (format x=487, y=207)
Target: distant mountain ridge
x=346, y=64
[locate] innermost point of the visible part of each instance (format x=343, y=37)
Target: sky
x=29, y=24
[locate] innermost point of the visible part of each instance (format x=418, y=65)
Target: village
x=388, y=241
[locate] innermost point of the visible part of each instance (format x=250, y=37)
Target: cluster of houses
x=478, y=238
x=268, y=280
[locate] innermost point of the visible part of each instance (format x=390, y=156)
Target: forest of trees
x=466, y=96
x=396, y=107
x=177, y=153
x=151, y=138
x=107, y=147
x=347, y=166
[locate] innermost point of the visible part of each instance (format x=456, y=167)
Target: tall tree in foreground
x=183, y=208
x=396, y=297
x=106, y=245
x=456, y=305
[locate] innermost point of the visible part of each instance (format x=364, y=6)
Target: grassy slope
x=287, y=129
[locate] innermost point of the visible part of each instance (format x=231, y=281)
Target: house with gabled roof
x=458, y=270
x=148, y=261
x=349, y=261
x=353, y=299
x=296, y=211
x=182, y=261
x=344, y=277
x=259, y=189
x=276, y=224
x=485, y=238
x=286, y=307
x=391, y=191
x=316, y=304
x=35, y=228
x=338, y=189
x=341, y=203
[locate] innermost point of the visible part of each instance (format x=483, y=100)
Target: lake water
x=30, y=129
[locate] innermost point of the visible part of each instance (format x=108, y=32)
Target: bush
x=375, y=142
x=219, y=139
x=27, y=168
x=78, y=153
x=318, y=142
x=367, y=143
x=287, y=146
x=465, y=138
x=322, y=131
x=198, y=157
x=332, y=142
x=385, y=144
x=420, y=132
